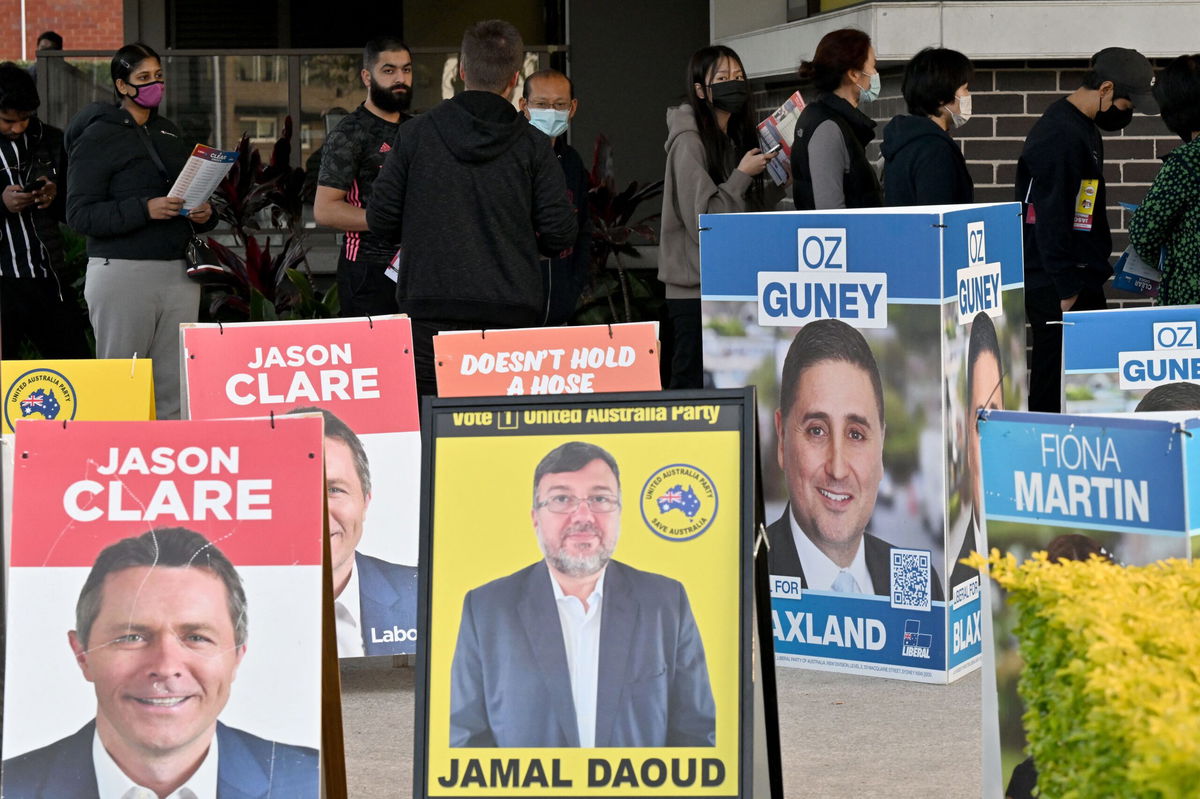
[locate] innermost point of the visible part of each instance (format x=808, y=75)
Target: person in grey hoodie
x=922, y=164
x=713, y=166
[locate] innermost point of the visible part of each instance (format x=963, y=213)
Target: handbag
x=200, y=262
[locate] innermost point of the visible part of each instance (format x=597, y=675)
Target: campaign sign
x=1121, y=487
x=359, y=374
x=593, y=638
x=547, y=360
x=871, y=335
x=161, y=572
x=116, y=389
x=1112, y=359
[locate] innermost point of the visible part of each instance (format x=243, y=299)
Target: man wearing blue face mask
x=549, y=104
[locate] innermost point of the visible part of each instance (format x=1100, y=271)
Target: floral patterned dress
x=1170, y=216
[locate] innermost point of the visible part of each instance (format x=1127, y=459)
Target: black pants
x=31, y=308
x=1044, y=314
x=423, y=331
x=364, y=289
x=687, y=352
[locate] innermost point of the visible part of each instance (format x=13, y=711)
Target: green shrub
x=1111, y=681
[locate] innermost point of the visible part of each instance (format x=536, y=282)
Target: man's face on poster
x=347, y=502
x=162, y=657
x=986, y=392
x=831, y=451
x=578, y=541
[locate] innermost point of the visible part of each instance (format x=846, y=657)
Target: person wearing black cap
x=1060, y=179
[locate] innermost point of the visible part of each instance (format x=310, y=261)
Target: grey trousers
x=137, y=306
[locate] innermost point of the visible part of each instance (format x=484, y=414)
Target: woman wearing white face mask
x=922, y=164
x=829, y=160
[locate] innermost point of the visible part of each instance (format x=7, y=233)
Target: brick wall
x=83, y=24
x=1008, y=97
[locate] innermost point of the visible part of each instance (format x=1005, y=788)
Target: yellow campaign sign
x=91, y=390
x=503, y=713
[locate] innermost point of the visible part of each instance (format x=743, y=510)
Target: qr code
x=911, y=579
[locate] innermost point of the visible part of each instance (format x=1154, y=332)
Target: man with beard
x=351, y=160
x=579, y=650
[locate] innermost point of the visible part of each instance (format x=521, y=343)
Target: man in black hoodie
x=1060, y=178
x=472, y=192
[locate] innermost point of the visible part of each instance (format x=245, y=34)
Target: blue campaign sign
x=881, y=245
x=860, y=633
x=1086, y=472
x=1146, y=346
x=966, y=632
x=981, y=254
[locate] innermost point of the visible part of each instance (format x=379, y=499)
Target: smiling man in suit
x=160, y=631
x=830, y=426
x=579, y=649
x=375, y=602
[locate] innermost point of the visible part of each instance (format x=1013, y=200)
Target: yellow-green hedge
x=1111, y=682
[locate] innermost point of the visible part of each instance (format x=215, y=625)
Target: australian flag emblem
x=40, y=401
x=678, y=499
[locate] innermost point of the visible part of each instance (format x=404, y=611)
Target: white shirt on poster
x=347, y=614
x=820, y=571
x=112, y=783
x=581, y=638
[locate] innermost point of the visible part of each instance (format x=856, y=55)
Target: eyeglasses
x=565, y=503
x=542, y=106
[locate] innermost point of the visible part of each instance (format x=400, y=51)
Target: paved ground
x=844, y=737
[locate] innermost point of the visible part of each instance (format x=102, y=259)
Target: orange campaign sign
x=548, y=360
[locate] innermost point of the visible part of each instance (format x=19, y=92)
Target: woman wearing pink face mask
x=123, y=159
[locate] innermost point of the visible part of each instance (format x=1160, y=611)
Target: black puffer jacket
x=111, y=176
x=923, y=165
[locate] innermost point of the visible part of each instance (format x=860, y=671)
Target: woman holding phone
x=124, y=158
x=713, y=166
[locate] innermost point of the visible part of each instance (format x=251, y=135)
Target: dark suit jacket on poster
x=387, y=600
x=509, y=682
x=784, y=560
x=248, y=767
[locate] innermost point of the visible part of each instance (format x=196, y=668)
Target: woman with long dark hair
x=713, y=166
x=829, y=160
x=123, y=159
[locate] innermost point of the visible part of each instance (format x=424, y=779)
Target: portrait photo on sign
x=155, y=588
x=590, y=631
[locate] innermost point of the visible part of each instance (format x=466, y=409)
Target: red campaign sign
x=253, y=488
x=359, y=369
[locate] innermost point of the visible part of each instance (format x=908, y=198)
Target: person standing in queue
x=352, y=157
x=548, y=101
x=123, y=159
x=829, y=158
x=713, y=166
x=922, y=164
x=1060, y=180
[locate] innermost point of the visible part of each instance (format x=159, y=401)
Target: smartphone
x=34, y=185
x=774, y=149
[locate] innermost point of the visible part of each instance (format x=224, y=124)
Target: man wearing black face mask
x=351, y=159
x=1060, y=180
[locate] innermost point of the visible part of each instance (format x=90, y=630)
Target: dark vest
x=859, y=185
